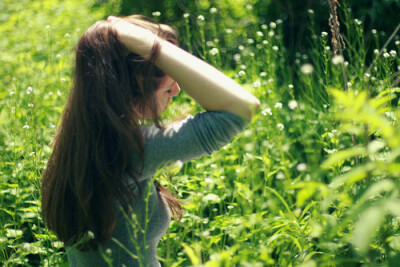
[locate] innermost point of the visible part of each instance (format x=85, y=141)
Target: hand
x=134, y=38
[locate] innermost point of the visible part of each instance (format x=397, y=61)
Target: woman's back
x=103, y=161
x=191, y=138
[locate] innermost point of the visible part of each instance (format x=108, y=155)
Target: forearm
x=204, y=83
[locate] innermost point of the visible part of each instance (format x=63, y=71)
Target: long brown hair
x=99, y=130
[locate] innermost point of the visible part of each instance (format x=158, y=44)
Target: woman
x=99, y=177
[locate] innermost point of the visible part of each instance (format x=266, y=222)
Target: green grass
x=312, y=181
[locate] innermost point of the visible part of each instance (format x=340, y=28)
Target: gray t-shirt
x=136, y=236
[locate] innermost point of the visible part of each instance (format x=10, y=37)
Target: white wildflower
x=214, y=51
x=260, y=34
x=280, y=176
x=280, y=126
x=310, y=11
x=324, y=34
x=327, y=48
x=200, y=20
x=265, y=42
x=229, y=31
x=266, y=112
x=292, y=104
x=349, y=84
x=270, y=80
x=186, y=15
x=241, y=47
x=386, y=55
x=250, y=41
x=272, y=25
x=257, y=84
x=241, y=73
x=278, y=105
x=279, y=21
x=213, y=10
x=47, y=27
x=90, y=235
x=285, y=148
x=374, y=31
x=301, y=167
x=237, y=57
x=264, y=26
x=358, y=22
x=367, y=75
x=307, y=68
x=249, y=7
x=271, y=33
x=376, y=51
x=338, y=59
x=263, y=74
x=26, y=126
x=290, y=86
x=393, y=53
x=29, y=90
x=275, y=48
x=156, y=14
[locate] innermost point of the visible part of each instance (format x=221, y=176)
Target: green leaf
x=376, y=189
x=340, y=156
x=8, y=212
x=352, y=176
x=290, y=213
x=304, y=194
x=13, y=233
x=191, y=254
x=366, y=226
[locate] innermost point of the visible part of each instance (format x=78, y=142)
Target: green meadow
x=312, y=181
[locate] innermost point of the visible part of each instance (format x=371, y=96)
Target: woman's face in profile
x=167, y=89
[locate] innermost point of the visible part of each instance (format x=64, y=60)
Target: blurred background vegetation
x=242, y=14
x=308, y=183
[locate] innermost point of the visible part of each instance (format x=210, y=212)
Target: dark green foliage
x=313, y=180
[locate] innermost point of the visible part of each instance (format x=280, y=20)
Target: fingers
x=112, y=19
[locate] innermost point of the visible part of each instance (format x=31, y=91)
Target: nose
x=175, y=89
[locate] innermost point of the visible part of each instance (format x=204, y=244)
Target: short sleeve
x=191, y=138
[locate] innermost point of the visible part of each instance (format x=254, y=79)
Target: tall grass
x=292, y=189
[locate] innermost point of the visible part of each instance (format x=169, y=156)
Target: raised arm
x=205, y=84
